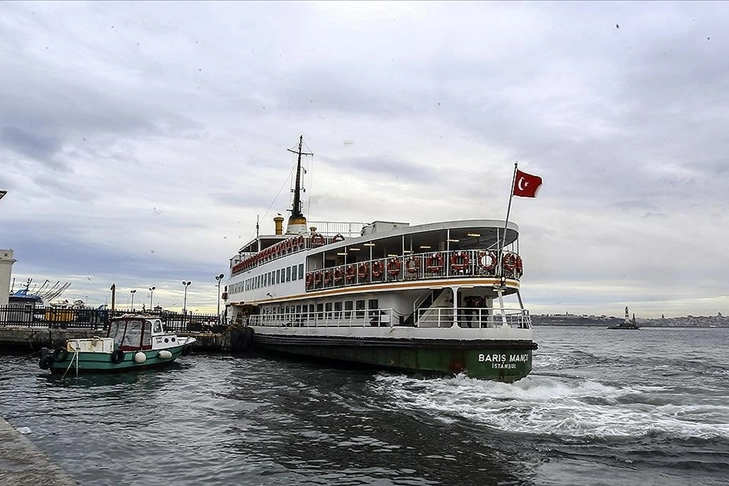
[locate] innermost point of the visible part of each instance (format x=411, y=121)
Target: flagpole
x=506, y=222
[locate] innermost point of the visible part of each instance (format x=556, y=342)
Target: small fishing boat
x=132, y=342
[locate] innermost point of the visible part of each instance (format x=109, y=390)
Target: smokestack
x=278, y=220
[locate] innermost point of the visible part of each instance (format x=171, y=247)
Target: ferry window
x=293, y=272
x=337, y=310
x=320, y=310
x=278, y=276
x=372, y=305
x=348, y=309
x=288, y=274
x=301, y=271
x=360, y=306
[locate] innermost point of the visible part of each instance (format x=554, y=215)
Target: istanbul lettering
x=503, y=361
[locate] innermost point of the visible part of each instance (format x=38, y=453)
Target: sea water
x=602, y=407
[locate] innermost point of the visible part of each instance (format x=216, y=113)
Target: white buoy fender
x=164, y=354
x=140, y=357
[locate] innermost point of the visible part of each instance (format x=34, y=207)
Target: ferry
x=440, y=298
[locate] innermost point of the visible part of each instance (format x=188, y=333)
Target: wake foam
x=561, y=407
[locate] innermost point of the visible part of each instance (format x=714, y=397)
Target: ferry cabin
x=384, y=274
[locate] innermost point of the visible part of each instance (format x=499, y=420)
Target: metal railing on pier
x=35, y=316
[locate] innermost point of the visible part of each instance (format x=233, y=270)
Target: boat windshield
x=131, y=333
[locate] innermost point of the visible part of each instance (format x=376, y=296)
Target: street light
x=184, y=301
x=132, y=292
x=151, y=293
x=219, y=278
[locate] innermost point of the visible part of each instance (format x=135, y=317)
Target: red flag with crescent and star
x=526, y=185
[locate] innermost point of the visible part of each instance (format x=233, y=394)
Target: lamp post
x=184, y=301
x=151, y=294
x=132, y=292
x=219, y=278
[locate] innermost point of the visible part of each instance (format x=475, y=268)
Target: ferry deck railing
x=409, y=267
x=439, y=317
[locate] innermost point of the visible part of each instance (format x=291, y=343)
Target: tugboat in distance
x=627, y=323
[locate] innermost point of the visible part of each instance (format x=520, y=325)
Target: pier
x=28, y=328
x=22, y=464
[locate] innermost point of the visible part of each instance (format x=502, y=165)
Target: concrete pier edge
x=23, y=464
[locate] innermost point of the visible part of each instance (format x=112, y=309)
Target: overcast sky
x=140, y=141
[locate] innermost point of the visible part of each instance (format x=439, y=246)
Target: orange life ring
x=434, y=262
x=378, y=268
x=338, y=274
x=393, y=266
x=317, y=239
x=487, y=260
x=509, y=262
x=350, y=273
x=363, y=270
x=412, y=264
x=519, y=267
x=459, y=260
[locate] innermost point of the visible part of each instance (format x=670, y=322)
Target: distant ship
x=442, y=297
x=627, y=323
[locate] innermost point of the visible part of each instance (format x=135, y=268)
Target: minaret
x=6, y=270
x=297, y=221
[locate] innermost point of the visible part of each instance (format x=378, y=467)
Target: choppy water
x=602, y=407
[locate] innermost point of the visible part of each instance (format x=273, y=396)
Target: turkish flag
x=526, y=185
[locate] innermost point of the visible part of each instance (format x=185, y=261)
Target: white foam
x=562, y=407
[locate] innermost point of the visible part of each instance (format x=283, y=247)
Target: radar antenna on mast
x=297, y=221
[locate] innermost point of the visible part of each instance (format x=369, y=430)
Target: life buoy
x=309, y=280
x=46, y=362
x=509, y=262
x=327, y=276
x=338, y=275
x=317, y=278
x=434, y=262
x=519, y=268
x=393, y=267
x=363, y=270
x=317, y=239
x=459, y=260
x=60, y=354
x=337, y=238
x=350, y=273
x=487, y=260
x=117, y=356
x=378, y=268
x=412, y=264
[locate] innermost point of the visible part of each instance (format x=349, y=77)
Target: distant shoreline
x=668, y=322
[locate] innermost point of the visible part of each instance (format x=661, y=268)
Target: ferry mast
x=297, y=221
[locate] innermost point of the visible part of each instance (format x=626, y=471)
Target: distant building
x=6, y=270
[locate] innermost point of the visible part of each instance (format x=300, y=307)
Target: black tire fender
x=60, y=354
x=117, y=356
x=46, y=362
